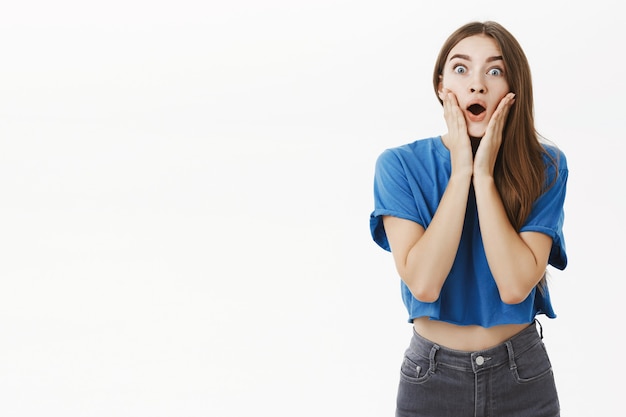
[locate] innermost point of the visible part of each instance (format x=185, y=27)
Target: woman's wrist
x=482, y=180
x=461, y=174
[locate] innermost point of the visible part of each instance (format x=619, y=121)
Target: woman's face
x=474, y=71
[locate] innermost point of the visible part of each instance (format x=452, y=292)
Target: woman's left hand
x=487, y=153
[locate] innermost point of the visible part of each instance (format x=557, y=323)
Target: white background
x=185, y=190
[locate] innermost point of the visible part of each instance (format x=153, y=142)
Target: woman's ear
x=440, y=88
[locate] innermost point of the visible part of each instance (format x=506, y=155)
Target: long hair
x=519, y=171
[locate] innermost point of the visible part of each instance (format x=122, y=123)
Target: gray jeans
x=513, y=379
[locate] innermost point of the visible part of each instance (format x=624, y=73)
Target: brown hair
x=519, y=169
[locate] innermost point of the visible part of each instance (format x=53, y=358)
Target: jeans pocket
x=532, y=365
x=415, y=369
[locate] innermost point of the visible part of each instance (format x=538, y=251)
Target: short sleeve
x=392, y=196
x=547, y=214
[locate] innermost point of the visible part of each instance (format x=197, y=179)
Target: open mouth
x=476, y=109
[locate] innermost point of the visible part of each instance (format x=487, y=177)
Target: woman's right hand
x=457, y=140
x=424, y=256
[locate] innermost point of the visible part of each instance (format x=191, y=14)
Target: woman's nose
x=477, y=85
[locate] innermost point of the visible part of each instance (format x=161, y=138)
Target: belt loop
x=433, y=363
x=540, y=328
x=509, y=348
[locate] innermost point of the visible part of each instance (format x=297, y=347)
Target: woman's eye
x=459, y=69
x=495, y=71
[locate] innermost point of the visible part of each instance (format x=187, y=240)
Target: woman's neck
x=475, y=143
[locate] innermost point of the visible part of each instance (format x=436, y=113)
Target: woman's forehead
x=475, y=46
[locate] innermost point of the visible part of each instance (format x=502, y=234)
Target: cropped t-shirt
x=409, y=183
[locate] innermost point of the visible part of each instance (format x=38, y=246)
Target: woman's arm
x=517, y=261
x=423, y=258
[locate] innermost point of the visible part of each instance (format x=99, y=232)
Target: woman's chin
x=476, y=133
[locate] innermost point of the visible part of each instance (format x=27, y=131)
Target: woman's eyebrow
x=467, y=57
x=461, y=56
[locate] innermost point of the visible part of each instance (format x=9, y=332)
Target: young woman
x=472, y=219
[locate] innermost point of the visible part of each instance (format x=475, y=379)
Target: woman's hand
x=457, y=139
x=487, y=152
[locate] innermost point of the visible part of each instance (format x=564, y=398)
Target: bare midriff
x=465, y=338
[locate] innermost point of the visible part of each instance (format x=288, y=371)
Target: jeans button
x=480, y=360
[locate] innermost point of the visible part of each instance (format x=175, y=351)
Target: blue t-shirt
x=409, y=183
